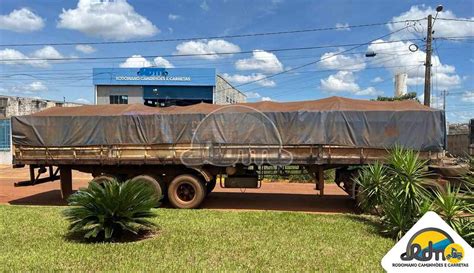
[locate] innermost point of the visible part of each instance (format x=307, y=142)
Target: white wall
x=134, y=93
x=5, y=157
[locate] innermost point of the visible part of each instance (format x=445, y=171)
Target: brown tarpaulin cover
x=331, y=121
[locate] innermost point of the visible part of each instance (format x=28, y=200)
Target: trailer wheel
x=157, y=185
x=210, y=186
x=186, y=192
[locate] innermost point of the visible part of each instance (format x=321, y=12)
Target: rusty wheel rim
x=186, y=192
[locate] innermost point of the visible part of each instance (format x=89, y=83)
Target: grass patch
x=34, y=239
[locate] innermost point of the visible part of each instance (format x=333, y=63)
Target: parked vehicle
x=185, y=151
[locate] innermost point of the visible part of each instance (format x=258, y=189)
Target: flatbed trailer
x=184, y=151
x=165, y=162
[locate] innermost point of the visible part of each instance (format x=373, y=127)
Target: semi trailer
x=183, y=151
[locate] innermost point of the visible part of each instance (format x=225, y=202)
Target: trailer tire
x=155, y=183
x=186, y=192
x=210, y=186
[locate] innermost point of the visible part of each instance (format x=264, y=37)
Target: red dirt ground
x=272, y=196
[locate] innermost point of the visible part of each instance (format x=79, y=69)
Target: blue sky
x=348, y=74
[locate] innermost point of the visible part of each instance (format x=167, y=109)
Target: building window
x=4, y=134
x=118, y=99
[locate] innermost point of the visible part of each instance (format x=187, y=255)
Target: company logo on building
x=430, y=246
x=153, y=74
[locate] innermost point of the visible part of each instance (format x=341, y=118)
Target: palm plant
x=395, y=219
x=465, y=229
x=107, y=210
x=407, y=172
x=372, y=182
x=400, y=194
x=456, y=212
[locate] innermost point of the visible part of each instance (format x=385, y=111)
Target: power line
x=322, y=59
x=202, y=54
x=456, y=20
x=212, y=37
x=187, y=62
x=56, y=72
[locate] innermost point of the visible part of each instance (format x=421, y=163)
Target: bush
x=111, y=209
x=455, y=211
x=372, y=179
x=398, y=193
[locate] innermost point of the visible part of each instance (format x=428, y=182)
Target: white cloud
x=209, y=47
x=342, y=26
x=252, y=95
x=376, y=80
x=344, y=82
x=266, y=99
x=86, y=49
x=135, y=61
x=173, y=17
x=468, y=96
x=13, y=55
x=83, y=101
x=47, y=52
x=442, y=28
x=21, y=20
x=435, y=102
x=18, y=58
x=261, y=60
x=204, y=6
x=37, y=86
x=31, y=89
x=330, y=60
x=241, y=79
x=411, y=63
x=369, y=91
x=162, y=62
x=114, y=20
x=459, y=116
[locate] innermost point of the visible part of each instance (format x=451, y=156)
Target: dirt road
x=272, y=196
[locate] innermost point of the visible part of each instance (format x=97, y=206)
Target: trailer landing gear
x=35, y=178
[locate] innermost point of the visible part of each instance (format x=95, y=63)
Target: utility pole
x=427, y=93
x=444, y=99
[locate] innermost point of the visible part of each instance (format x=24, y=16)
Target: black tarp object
x=331, y=121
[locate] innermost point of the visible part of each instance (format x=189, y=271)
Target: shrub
x=399, y=194
x=108, y=210
x=395, y=216
x=455, y=211
x=372, y=181
x=407, y=173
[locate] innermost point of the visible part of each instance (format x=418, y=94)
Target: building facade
x=17, y=106
x=163, y=86
x=461, y=139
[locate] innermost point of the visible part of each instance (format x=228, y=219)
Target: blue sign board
x=155, y=76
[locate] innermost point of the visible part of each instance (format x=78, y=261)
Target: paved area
x=272, y=196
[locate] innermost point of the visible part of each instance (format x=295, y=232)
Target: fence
x=5, y=135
